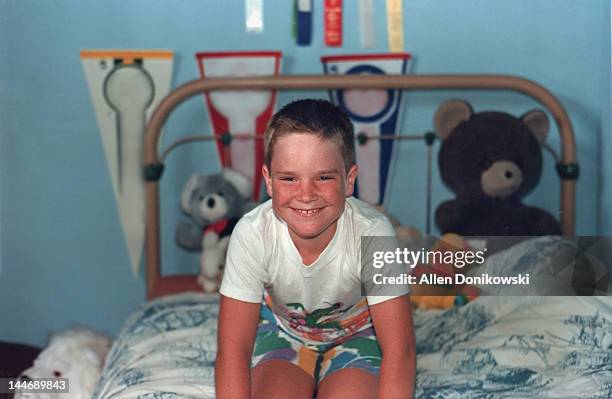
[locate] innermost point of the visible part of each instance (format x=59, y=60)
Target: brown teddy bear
x=491, y=160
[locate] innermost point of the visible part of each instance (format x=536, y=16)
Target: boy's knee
x=348, y=383
x=280, y=379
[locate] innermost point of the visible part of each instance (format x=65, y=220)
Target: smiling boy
x=300, y=252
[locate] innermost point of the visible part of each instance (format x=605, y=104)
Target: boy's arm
x=235, y=336
x=392, y=321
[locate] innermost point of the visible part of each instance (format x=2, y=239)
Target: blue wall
x=63, y=258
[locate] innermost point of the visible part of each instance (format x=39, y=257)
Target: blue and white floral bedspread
x=494, y=347
x=165, y=350
x=526, y=347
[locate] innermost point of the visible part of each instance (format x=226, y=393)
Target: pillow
x=556, y=266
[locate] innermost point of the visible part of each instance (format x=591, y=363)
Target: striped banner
x=373, y=112
x=241, y=112
x=125, y=86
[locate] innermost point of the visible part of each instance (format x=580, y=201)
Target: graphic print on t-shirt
x=331, y=323
x=318, y=318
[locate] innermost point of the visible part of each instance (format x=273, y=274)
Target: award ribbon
x=304, y=22
x=395, y=26
x=253, y=16
x=366, y=23
x=333, y=23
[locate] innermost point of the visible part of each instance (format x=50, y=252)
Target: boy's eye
x=286, y=178
x=326, y=178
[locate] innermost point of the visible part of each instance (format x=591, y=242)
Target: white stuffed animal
x=76, y=354
x=215, y=203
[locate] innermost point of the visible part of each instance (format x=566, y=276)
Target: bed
x=488, y=348
x=494, y=346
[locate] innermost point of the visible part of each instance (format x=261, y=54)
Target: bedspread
x=494, y=347
x=166, y=349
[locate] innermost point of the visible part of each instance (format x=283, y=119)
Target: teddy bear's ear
x=191, y=185
x=537, y=121
x=449, y=115
x=241, y=182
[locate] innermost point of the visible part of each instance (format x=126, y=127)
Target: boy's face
x=308, y=185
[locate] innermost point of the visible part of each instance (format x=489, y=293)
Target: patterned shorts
x=273, y=343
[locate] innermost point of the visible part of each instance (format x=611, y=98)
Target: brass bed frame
x=159, y=285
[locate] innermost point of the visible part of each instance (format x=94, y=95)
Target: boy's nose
x=307, y=192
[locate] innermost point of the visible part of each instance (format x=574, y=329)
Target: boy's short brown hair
x=312, y=116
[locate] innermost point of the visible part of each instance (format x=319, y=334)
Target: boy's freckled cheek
x=284, y=190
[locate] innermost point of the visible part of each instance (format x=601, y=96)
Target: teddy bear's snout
x=502, y=179
x=212, y=200
x=212, y=207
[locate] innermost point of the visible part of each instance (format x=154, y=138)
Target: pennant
x=373, y=112
x=125, y=86
x=241, y=112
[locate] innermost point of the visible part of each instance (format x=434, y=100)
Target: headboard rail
x=158, y=285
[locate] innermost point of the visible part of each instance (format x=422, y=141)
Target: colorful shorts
x=273, y=343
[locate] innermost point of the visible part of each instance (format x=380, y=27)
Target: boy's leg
x=280, y=379
x=282, y=367
x=349, y=383
x=350, y=370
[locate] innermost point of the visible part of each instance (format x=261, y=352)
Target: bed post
x=153, y=272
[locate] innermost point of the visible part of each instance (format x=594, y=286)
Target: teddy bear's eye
x=57, y=374
x=485, y=162
x=220, y=194
x=201, y=198
x=519, y=163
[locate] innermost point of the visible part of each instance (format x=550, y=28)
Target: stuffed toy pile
x=436, y=296
x=215, y=203
x=407, y=236
x=491, y=160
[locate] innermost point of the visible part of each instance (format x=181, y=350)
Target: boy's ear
x=351, y=176
x=267, y=179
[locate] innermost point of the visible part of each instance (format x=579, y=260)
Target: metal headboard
x=158, y=285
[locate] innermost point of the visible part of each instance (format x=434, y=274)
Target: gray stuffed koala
x=215, y=203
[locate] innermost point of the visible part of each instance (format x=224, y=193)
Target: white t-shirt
x=321, y=302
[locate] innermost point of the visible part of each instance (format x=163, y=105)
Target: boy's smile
x=308, y=185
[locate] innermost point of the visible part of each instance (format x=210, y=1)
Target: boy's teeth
x=307, y=211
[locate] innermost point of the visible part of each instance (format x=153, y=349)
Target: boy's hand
x=392, y=321
x=236, y=336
